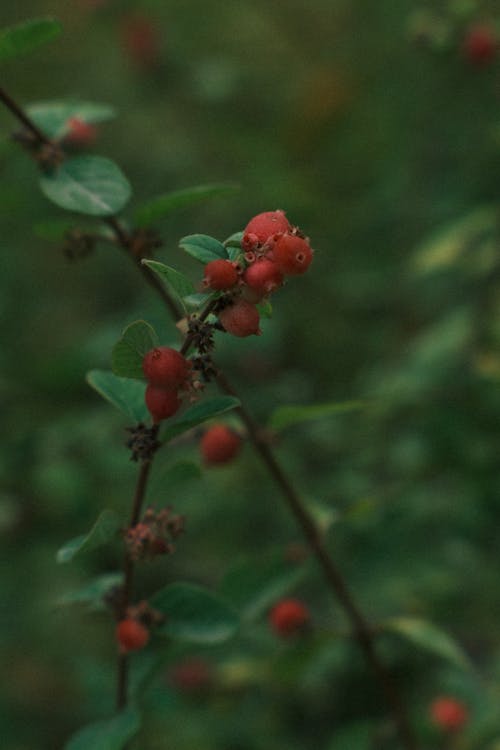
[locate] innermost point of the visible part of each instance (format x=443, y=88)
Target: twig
x=23, y=118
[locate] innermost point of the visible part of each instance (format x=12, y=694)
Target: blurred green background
x=370, y=127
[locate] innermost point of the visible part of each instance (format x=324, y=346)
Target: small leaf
x=177, y=284
x=194, y=614
x=252, y=586
x=195, y=415
x=429, y=637
x=285, y=416
x=89, y=185
x=25, y=37
x=203, y=248
x=128, y=353
x=162, y=205
x=104, y=529
x=54, y=117
x=233, y=245
x=197, y=300
x=126, y=394
x=94, y=592
x=111, y=734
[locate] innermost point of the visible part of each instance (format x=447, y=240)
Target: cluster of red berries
x=167, y=372
x=289, y=617
x=448, y=713
x=219, y=445
x=272, y=249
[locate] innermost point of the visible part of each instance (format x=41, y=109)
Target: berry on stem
x=131, y=635
x=263, y=276
x=162, y=403
x=448, y=713
x=292, y=254
x=289, y=617
x=219, y=445
x=262, y=227
x=240, y=318
x=165, y=367
x=220, y=274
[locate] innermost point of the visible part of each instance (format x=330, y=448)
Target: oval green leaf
x=429, y=637
x=194, y=614
x=23, y=38
x=195, y=415
x=178, y=285
x=125, y=394
x=136, y=340
x=104, y=529
x=94, y=592
x=162, y=205
x=111, y=734
x=89, y=185
x=203, y=248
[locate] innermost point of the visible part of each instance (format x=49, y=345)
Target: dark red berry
x=192, y=675
x=80, y=133
x=165, y=367
x=140, y=41
x=131, y=635
x=480, y=44
x=220, y=274
x=241, y=318
x=219, y=445
x=289, y=617
x=262, y=227
x=292, y=254
x=162, y=403
x=263, y=276
x=448, y=713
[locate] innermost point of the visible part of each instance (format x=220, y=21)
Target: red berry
x=292, y=254
x=261, y=227
x=449, y=713
x=140, y=41
x=191, y=676
x=165, y=367
x=480, y=44
x=161, y=402
x=241, y=318
x=131, y=635
x=263, y=276
x=289, y=617
x=80, y=133
x=220, y=274
x=219, y=445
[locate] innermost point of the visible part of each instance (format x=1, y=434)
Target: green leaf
x=25, y=37
x=126, y=394
x=197, y=300
x=203, y=248
x=162, y=205
x=177, y=284
x=233, y=245
x=195, y=415
x=111, y=734
x=104, y=529
x=265, y=309
x=94, y=592
x=429, y=637
x=194, y=614
x=285, y=416
x=252, y=586
x=89, y=185
x=53, y=117
x=128, y=353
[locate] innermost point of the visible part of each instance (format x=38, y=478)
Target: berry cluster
x=167, y=372
x=272, y=249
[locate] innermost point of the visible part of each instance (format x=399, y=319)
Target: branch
x=23, y=118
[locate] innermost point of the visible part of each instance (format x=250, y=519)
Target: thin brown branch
x=23, y=118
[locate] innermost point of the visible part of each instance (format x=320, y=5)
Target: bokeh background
x=380, y=136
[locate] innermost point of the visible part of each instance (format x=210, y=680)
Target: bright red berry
x=480, y=44
x=80, y=133
x=449, y=713
x=289, y=617
x=192, y=675
x=263, y=276
x=262, y=227
x=241, y=318
x=219, y=445
x=292, y=254
x=165, y=367
x=162, y=403
x=220, y=274
x=131, y=635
